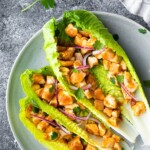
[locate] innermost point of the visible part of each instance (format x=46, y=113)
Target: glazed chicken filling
x=49, y=90
x=55, y=132
x=75, y=62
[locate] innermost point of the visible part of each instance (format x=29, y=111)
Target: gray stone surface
x=17, y=27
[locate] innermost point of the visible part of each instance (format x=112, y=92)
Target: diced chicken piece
x=88, y=93
x=69, y=111
x=66, y=55
x=42, y=125
x=91, y=42
x=75, y=144
x=125, y=95
x=80, y=41
x=77, y=77
x=116, y=113
x=35, y=87
x=83, y=33
x=77, y=63
x=98, y=104
x=46, y=93
x=108, y=111
x=108, y=54
x=92, y=61
x=99, y=94
x=39, y=92
x=116, y=59
x=72, y=58
x=66, y=63
x=49, y=118
x=91, y=80
x=84, y=50
x=92, y=128
x=38, y=78
x=79, y=57
x=139, y=108
x=108, y=143
x=64, y=98
x=110, y=102
x=36, y=120
x=116, y=137
x=50, y=129
x=114, y=68
x=90, y=147
x=108, y=134
x=64, y=70
x=67, y=77
x=53, y=102
x=114, y=121
x=106, y=64
x=129, y=82
x=50, y=80
x=71, y=30
x=102, y=129
x=98, y=56
x=117, y=146
x=81, y=84
x=123, y=65
x=61, y=48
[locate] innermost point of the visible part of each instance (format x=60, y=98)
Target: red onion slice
x=95, y=120
x=88, y=86
x=126, y=90
x=87, y=48
x=83, y=67
x=85, y=58
x=98, y=51
x=73, y=87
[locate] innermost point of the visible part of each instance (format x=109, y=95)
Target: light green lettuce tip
x=51, y=145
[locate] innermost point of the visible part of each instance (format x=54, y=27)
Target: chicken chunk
x=66, y=55
x=114, y=121
x=88, y=93
x=106, y=64
x=102, y=129
x=99, y=105
x=108, y=143
x=64, y=98
x=108, y=111
x=71, y=30
x=99, y=94
x=114, y=68
x=35, y=87
x=79, y=57
x=110, y=102
x=139, y=108
x=66, y=63
x=50, y=80
x=92, y=128
x=92, y=61
x=83, y=33
x=108, y=54
x=75, y=144
x=38, y=78
x=77, y=77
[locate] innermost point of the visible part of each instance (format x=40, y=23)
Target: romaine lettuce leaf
x=51, y=145
x=90, y=23
x=125, y=128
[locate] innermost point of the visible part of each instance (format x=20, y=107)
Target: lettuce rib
x=125, y=128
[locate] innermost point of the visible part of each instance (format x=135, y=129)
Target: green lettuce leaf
x=90, y=23
x=125, y=128
x=51, y=145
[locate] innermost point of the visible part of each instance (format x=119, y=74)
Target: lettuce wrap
x=82, y=32
x=66, y=110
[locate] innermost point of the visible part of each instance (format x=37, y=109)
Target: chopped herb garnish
x=143, y=31
x=54, y=135
x=75, y=70
x=97, y=45
x=51, y=89
x=147, y=83
x=120, y=78
x=76, y=109
x=116, y=37
x=112, y=80
x=35, y=109
x=79, y=93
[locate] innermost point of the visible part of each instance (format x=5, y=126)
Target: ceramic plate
x=32, y=56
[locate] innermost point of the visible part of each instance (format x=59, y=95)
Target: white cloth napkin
x=139, y=7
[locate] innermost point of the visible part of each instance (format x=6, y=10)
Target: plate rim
x=22, y=51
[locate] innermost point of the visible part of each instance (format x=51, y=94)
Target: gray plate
x=32, y=56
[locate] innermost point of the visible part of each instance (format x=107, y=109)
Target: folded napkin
x=139, y=7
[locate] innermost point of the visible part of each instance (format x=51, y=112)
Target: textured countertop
x=17, y=27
